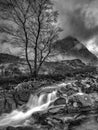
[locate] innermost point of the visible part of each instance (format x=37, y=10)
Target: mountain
x=66, y=67
x=71, y=47
x=7, y=58
x=63, y=67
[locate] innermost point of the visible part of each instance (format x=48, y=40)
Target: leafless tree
x=33, y=27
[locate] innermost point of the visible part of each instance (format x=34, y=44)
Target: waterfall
x=19, y=118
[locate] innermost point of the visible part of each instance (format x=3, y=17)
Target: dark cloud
x=78, y=27
x=78, y=18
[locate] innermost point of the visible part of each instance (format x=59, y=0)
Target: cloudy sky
x=79, y=18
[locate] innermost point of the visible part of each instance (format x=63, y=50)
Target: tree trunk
x=26, y=52
x=43, y=60
x=35, y=63
x=35, y=49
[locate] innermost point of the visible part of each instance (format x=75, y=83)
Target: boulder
x=57, y=109
x=60, y=101
x=82, y=98
x=24, y=86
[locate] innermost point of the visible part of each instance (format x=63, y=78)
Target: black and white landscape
x=48, y=65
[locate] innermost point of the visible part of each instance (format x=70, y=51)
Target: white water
x=19, y=118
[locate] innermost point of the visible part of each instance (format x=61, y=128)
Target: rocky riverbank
x=76, y=100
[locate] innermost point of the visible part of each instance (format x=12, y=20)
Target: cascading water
x=19, y=118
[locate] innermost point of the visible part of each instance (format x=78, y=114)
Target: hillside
x=71, y=47
x=6, y=58
x=66, y=67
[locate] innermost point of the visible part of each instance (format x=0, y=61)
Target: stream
x=48, y=110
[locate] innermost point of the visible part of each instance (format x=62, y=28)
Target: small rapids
x=19, y=117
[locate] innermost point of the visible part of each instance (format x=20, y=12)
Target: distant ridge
x=7, y=58
x=71, y=47
x=66, y=67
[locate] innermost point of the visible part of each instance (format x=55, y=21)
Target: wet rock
x=94, y=97
x=63, y=89
x=83, y=99
x=55, y=122
x=60, y=101
x=22, y=97
x=57, y=109
x=24, y=86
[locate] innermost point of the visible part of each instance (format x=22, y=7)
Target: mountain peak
x=72, y=47
x=70, y=38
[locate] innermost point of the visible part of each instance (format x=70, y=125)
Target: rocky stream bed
x=75, y=106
